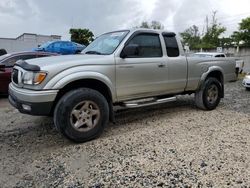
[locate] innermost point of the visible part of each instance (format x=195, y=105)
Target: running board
x=146, y=102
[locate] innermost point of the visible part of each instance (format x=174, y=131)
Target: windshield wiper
x=93, y=52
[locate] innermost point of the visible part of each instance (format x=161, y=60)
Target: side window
x=10, y=62
x=222, y=55
x=62, y=44
x=51, y=46
x=57, y=44
x=149, y=45
x=69, y=44
x=171, y=46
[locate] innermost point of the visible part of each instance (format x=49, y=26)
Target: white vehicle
x=246, y=82
x=239, y=62
x=210, y=54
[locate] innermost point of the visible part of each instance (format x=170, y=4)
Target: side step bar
x=146, y=102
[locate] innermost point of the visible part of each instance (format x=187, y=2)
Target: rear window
x=171, y=46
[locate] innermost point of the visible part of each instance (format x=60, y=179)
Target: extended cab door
x=176, y=63
x=145, y=73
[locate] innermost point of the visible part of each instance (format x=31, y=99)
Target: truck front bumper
x=32, y=102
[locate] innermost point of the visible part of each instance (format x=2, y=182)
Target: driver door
x=143, y=74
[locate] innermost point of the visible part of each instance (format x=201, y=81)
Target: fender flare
x=58, y=82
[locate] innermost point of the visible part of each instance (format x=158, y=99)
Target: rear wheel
x=208, y=97
x=81, y=114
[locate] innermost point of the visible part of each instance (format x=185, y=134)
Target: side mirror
x=2, y=68
x=130, y=50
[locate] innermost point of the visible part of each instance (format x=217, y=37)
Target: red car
x=7, y=62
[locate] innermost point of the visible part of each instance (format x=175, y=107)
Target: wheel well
x=88, y=83
x=219, y=76
x=216, y=74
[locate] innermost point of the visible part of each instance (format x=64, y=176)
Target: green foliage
x=236, y=37
x=152, y=25
x=191, y=37
x=81, y=36
x=226, y=42
x=209, y=40
x=214, y=30
x=244, y=32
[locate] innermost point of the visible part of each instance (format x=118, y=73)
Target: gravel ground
x=170, y=145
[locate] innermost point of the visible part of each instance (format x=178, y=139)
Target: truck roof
x=143, y=29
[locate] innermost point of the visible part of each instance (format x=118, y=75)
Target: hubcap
x=85, y=116
x=212, y=94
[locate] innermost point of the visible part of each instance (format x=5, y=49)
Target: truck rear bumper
x=32, y=102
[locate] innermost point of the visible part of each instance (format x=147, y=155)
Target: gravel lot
x=167, y=145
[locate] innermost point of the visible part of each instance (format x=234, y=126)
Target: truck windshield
x=105, y=44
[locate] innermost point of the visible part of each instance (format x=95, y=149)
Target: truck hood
x=68, y=60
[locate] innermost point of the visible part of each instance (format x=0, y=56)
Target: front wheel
x=208, y=97
x=81, y=114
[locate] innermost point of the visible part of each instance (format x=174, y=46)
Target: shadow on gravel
x=141, y=116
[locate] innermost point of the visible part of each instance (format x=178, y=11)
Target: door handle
x=162, y=65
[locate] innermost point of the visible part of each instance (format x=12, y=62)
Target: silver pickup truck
x=128, y=68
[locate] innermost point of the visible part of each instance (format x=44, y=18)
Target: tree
x=214, y=30
x=210, y=39
x=236, y=38
x=153, y=25
x=226, y=42
x=191, y=37
x=81, y=36
x=244, y=32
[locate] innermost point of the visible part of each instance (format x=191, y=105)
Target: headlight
x=247, y=77
x=33, y=78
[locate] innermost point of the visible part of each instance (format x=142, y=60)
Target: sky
x=58, y=16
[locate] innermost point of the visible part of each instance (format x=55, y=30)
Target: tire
x=209, y=96
x=81, y=114
x=248, y=88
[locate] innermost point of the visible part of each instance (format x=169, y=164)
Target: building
x=25, y=42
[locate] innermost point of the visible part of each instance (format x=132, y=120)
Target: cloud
x=58, y=16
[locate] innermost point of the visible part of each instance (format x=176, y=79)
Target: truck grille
x=15, y=76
